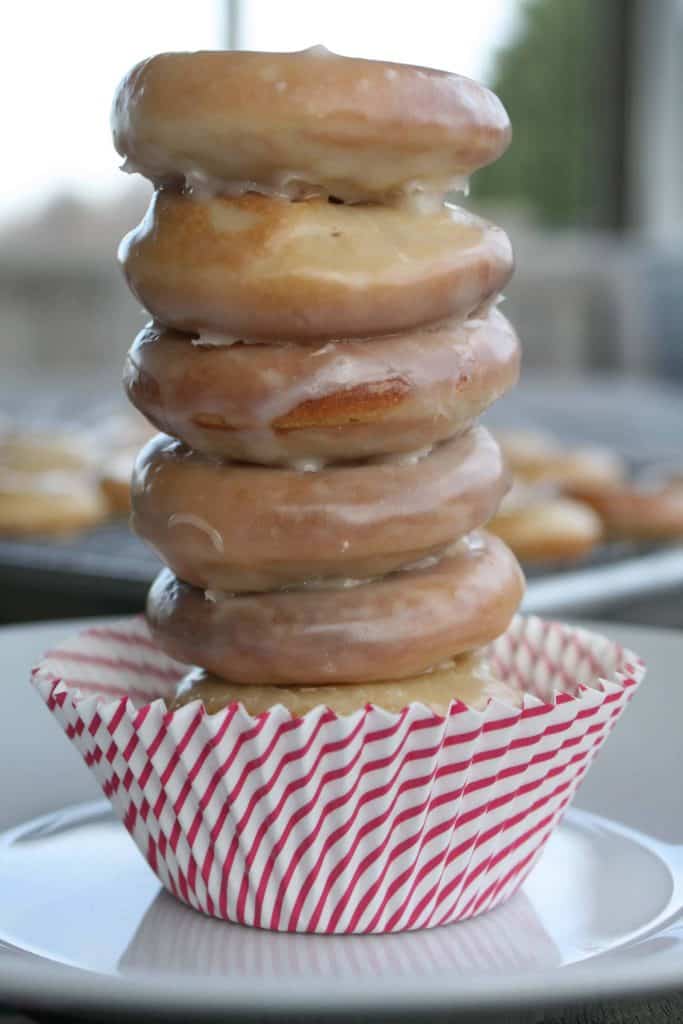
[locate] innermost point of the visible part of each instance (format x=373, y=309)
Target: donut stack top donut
x=324, y=317
x=301, y=124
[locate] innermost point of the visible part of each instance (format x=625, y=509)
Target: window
x=59, y=69
x=455, y=35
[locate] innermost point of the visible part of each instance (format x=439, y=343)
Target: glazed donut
x=347, y=400
x=630, y=512
x=237, y=527
x=467, y=678
x=46, y=485
x=537, y=458
x=548, y=529
x=270, y=270
x=33, y=452
x=388, y=629
x=51, y=502
x=296, y=123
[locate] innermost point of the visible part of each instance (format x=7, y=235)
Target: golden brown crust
x=236, y=527
x=362, y=403
x=354, y=128
x=267, y=269
x=392, y=628
x=468, y=678
x=344, y=401
x=548, y=529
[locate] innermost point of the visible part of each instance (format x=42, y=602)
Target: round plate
x=599, y=892
x=85, y=926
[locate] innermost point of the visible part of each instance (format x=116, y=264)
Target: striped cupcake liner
x=372, y=822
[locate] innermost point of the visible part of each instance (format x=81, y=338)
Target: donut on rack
x=636, y=512
x=47, y=485
x=536, y=458
x=324, y=336
x=542, y=526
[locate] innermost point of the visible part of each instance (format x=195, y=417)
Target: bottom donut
x=390, y=628
x=469, y=678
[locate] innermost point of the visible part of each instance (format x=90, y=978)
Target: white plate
x=83, y=923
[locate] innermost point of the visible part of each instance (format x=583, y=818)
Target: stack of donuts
x=324, y=335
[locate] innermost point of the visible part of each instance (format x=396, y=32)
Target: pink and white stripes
x=373, y=822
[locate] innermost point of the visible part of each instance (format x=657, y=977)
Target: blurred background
x=591, y=192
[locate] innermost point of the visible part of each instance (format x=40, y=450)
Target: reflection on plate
x=174, y=938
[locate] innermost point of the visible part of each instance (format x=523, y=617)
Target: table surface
x=668, y=1011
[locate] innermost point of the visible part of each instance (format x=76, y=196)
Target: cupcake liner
x=370, y=822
